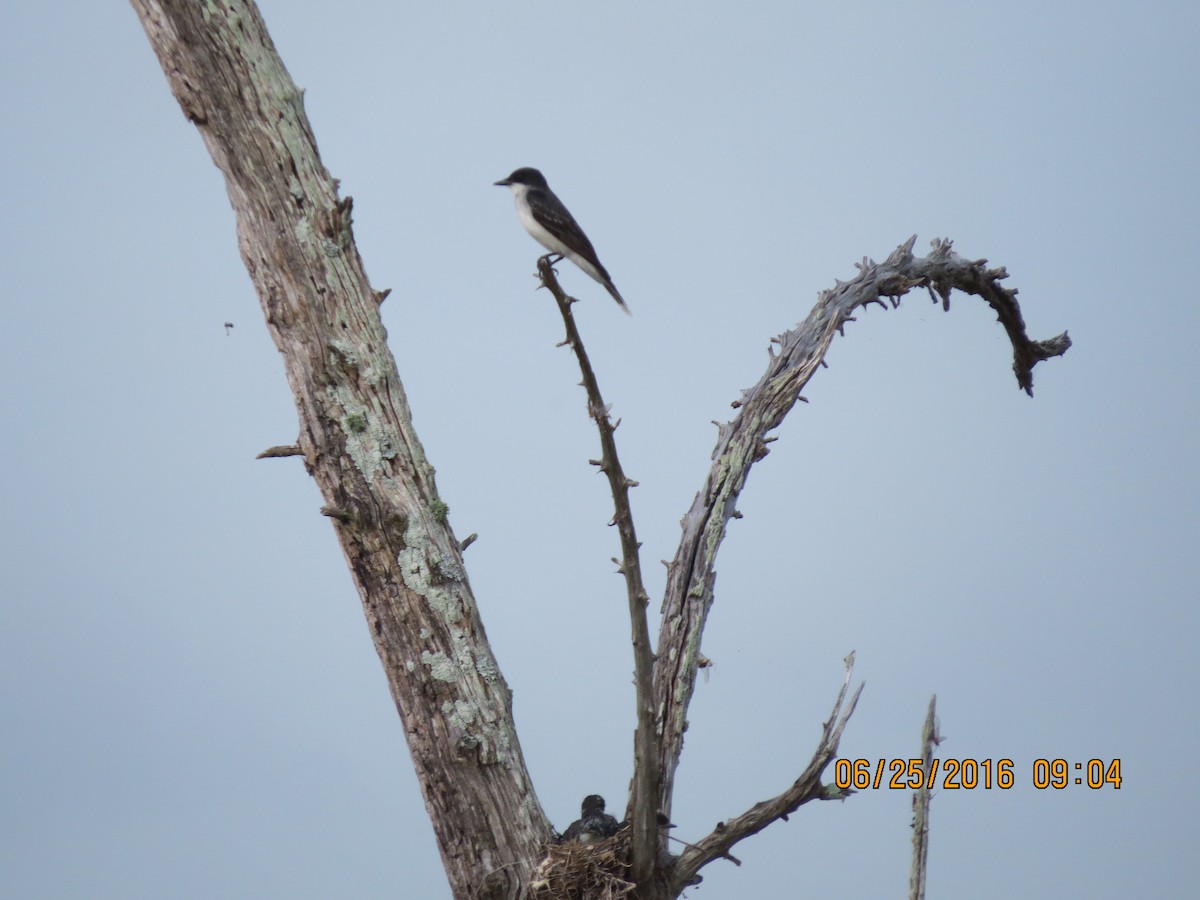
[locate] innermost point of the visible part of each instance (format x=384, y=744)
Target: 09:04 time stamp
x=968, y=774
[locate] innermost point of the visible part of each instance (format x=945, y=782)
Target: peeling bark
x=744, y=441
x=357, y=439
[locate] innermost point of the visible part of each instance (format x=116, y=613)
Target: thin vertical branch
x=921, y=798
x=646, y=770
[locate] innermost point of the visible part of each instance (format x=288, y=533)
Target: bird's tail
x=616, y=295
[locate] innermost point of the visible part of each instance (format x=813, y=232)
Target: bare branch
x=281, y=450
x=943, y=270
x=807, y=787
x=344, y=516
x=743, y=441
x=644, y=809
x=921, y=797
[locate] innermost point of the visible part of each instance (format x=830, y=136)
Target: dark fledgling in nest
x=594, y=871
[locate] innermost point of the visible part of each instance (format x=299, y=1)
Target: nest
x=573, y=871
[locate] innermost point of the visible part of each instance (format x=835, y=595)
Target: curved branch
x=944, y=271
x=807, y=787
x=643, y=812
x=743, y=441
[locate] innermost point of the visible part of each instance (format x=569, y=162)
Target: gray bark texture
x=358, y=443
x=921, y=798
x=745, y=440
x=357, y=439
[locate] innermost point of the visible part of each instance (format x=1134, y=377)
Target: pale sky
x=190, y=703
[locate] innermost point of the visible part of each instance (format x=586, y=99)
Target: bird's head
x=592, y=804
x=526, y=176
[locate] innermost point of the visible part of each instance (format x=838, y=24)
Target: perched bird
x=549, y=223
x=593, y=824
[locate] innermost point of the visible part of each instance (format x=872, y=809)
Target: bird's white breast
x=532, y=225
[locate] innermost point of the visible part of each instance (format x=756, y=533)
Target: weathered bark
x=743, y=441
x=691, y=576
x=357, y=439
x=806, y=788
x=921, y=797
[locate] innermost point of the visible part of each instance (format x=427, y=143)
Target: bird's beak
x=504, y=182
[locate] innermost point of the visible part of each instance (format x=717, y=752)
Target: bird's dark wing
x=602, y=824
x=557, y=219
x=574, y=830
x=594, y=827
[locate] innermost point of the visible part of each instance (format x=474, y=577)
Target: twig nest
x=573, y=871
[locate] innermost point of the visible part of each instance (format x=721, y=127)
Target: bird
x=593, y=824
x=551, y=225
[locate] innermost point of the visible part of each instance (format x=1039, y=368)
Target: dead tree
x=358, y=443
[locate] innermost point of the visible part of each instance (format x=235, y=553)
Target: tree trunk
x=357, y=439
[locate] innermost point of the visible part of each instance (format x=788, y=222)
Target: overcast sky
x=190, y=704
